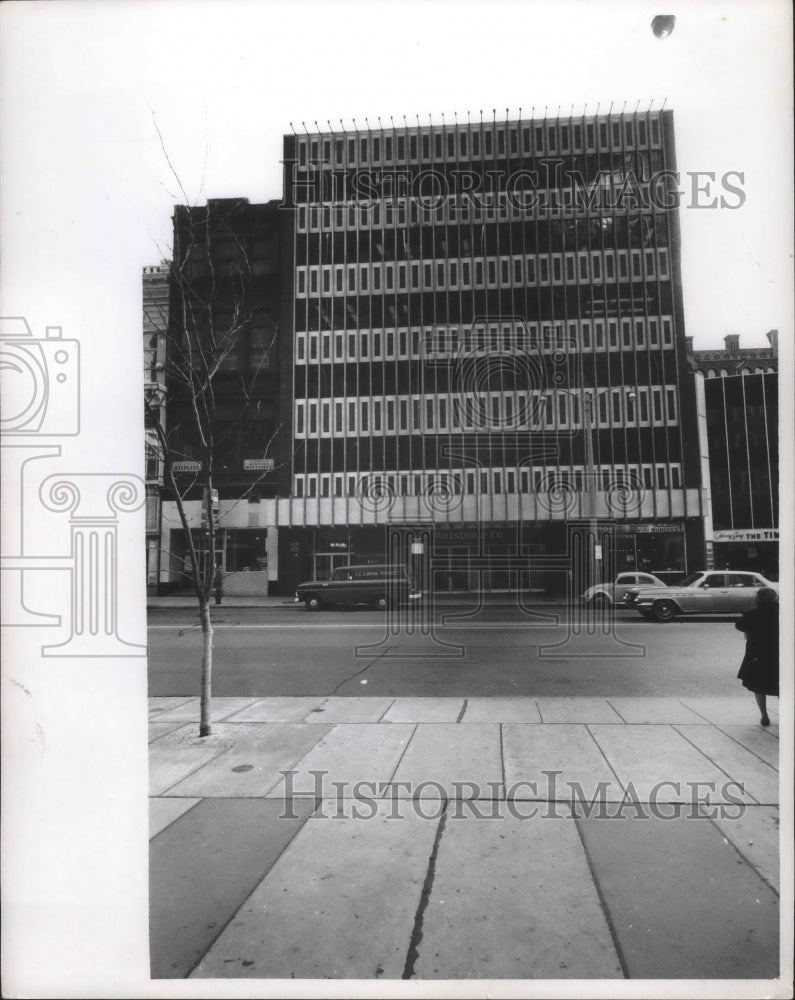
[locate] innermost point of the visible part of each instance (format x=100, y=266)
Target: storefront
x=314, y=553
x=491, y=558
x=749, y=549
x=660, y=548
x=242, y=554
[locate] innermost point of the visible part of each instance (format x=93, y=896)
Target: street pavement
x=436, y=838
x=496, y=651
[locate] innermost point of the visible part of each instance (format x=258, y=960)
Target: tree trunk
x=205, y=726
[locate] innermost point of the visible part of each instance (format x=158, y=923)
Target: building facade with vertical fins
x=741, y=403
x=465, y=306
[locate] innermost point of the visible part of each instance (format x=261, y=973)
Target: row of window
x=453, y=342
x=552, y=410
x=478, y=141
x=451, y=274
x=380, y=487
x=433, y=204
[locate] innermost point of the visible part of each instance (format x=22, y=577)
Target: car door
x=345, y=585
x=357, y=591
x=742, y=591
x=699, y=598
x=712, y=594
x=624, y=581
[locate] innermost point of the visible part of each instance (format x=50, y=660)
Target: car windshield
x=689, y=580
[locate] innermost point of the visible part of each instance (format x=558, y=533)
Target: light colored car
x=708, y=592
x=606, y=594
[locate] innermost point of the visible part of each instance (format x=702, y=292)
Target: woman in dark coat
x=759, y=669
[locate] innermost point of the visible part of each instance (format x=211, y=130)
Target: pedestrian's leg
x=761, y=701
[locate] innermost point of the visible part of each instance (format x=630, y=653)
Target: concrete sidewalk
x=452, y=838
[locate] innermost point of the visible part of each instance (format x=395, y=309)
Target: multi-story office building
x=483, y=336
x=741, y=404
x=742, y=430
x=223, y=328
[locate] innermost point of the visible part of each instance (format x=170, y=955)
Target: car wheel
x=664, y=611
x=600, y=602
x=312, y=603
x=381, y=603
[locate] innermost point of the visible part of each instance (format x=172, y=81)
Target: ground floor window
x=761, y=557
x=246, y=551
x=659, y=552
x=236, y=550
x=180, y=553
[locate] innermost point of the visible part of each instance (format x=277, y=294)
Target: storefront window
x=661, y=552
x=246, y=551
x=180, y=554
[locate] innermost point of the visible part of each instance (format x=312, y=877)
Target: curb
x=300, y=607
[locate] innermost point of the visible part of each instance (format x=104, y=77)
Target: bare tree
x=221, y=332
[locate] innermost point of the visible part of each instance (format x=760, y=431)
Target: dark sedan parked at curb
x=379, y=586
x=707, y=592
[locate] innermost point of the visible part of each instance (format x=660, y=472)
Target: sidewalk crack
x=416, y=933
x=502, y=760
x=619, y=782
x=403, y=754
x=740, y=784
x=603, y=903
x=611, y=705
x=381, y=717
x=731, y=843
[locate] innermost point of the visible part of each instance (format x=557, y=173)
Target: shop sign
x=746, y=535
x=186, y=466
x=640, y=528
x=654, y=528
x=468, y=536
x=258, y=464
x=455, y=536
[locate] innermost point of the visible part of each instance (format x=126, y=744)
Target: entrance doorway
x=327, y=562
